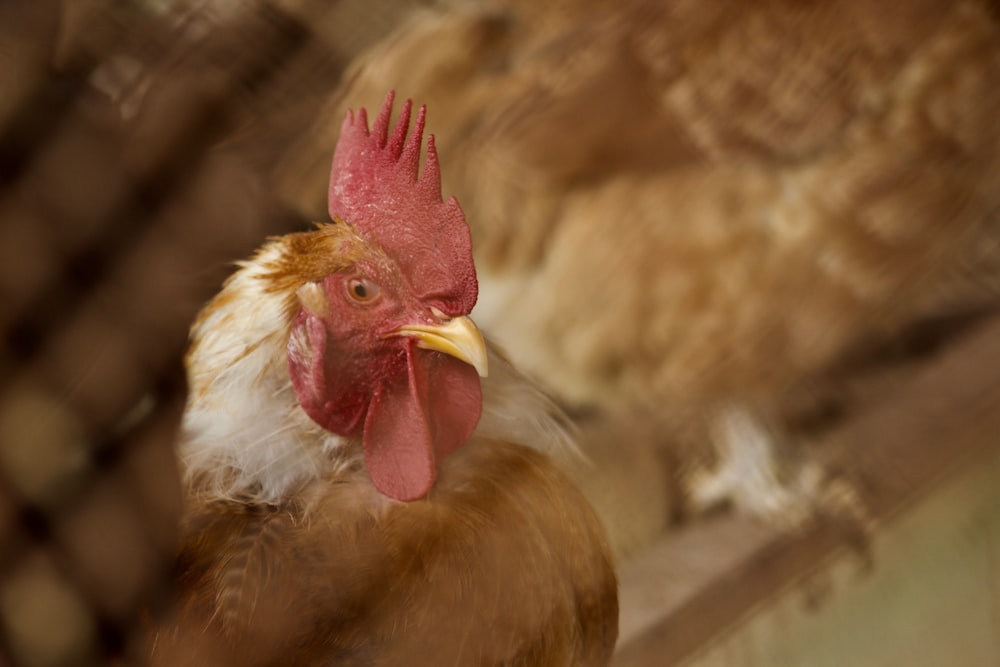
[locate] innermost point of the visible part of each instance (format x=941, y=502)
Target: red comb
x=377, y=186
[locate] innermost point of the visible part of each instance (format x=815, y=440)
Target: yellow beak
x=459, y=337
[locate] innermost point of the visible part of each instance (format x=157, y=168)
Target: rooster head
x=381, y=345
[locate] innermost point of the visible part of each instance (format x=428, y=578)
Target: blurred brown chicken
x=714, y=217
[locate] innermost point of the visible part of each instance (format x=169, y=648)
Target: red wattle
x=419, y=419
x=337, y=404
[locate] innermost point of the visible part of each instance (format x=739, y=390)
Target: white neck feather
x=244, y=434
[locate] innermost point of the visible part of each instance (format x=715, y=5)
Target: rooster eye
x=362, y=290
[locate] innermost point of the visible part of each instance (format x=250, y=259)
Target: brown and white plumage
x=309, y=537
x=496, y=567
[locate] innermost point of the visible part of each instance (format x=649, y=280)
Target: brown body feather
x=501, y=565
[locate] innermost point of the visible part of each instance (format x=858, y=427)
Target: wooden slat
x=694, y=586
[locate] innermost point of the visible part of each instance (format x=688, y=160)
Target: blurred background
x=753, y=249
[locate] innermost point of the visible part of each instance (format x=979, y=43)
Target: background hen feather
x=681, y=210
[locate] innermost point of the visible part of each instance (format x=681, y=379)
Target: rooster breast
x=502, y=564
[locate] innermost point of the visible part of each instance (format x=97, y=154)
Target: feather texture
x=480, y=573
x=244, y=434
x=685, y=209
x=309, y=408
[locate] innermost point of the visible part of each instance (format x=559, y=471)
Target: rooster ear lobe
x=313, y=299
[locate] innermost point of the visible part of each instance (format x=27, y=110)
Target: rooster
x=367, y=482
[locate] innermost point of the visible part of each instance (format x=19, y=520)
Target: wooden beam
x=703, y=581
